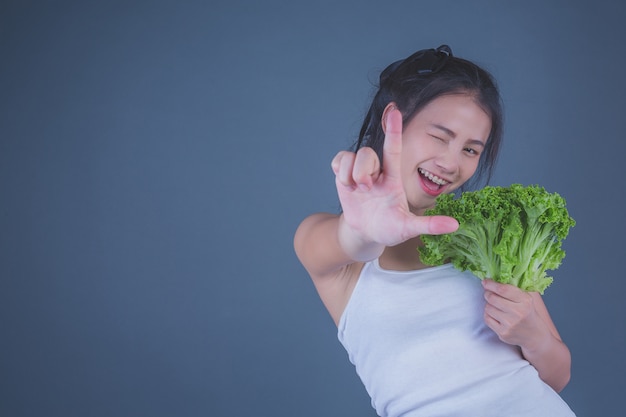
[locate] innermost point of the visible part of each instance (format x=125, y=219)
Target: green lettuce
x=510, y=234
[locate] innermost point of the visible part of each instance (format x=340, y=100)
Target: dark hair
x=414, y=82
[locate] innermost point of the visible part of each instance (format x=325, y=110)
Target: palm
x=373, y=200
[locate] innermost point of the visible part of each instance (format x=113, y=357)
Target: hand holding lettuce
x=510, y=234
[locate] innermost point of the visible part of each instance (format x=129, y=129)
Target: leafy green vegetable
x=510, y=234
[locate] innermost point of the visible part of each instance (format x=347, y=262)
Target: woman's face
x=441, y=147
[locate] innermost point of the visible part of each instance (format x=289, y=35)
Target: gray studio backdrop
x=157, y=156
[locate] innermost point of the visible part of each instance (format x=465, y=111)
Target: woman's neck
x=402, y=257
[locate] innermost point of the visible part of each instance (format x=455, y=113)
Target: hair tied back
x=432, y=60
x=423, y=62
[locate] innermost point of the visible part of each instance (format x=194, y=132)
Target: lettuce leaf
x=510, y=234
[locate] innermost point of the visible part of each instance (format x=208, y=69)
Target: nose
x=448, y=162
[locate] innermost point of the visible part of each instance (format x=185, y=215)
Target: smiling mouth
x=432, y=179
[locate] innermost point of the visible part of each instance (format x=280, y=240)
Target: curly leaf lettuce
x=510, y=234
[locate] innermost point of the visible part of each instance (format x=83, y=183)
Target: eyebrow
x=453, y=135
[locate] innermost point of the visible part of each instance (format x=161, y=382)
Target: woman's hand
x=511, y=314
x=521, y=318
x=374, y=203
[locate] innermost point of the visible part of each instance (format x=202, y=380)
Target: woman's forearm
x=553, y=360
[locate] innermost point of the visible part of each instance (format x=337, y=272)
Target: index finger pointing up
x=392, y=147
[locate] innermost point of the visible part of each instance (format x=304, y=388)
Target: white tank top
x=421, y=348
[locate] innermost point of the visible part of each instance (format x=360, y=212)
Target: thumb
x=433, y=225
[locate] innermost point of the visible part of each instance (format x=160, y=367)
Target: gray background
x=157, y=156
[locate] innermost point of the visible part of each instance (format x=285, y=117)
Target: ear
x=391, y=106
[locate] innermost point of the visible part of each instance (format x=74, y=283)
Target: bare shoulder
x=317, y=246
x=333, y=273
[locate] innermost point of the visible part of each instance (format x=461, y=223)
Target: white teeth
x=432, y=177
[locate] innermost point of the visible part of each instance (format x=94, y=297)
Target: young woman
x=428, y=341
